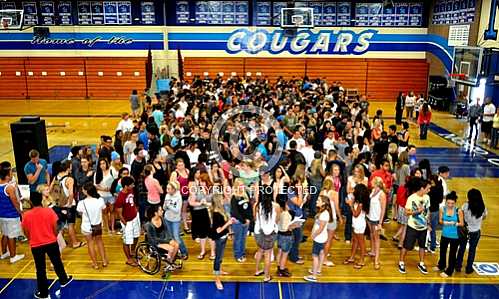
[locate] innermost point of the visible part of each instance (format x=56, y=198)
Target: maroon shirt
x=126, y=202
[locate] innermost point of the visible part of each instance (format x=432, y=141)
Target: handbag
x=462, y=231
x=96, y=229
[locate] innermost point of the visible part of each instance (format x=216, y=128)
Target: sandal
x=80, y=244
x=201, y=256
x=95, y=266
x=358, y=266
x=105, y=264
x=348, y=261
x=134, y=264
x=219, y=285
x=267, y=279
x=377, y=266
x=212, y=257
x=259, y=273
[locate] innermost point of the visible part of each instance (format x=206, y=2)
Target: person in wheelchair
x=159, y=237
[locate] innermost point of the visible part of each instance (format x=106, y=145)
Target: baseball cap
x=115, y=156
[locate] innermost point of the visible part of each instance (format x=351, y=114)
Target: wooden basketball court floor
x=82, y=122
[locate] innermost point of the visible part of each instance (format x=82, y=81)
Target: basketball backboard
x=467, y=64
x=11, y=19
x=298, y=17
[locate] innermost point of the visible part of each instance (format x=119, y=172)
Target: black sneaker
x=70, y=279
x=422, y=268
x=402, y=268
x=37, y=295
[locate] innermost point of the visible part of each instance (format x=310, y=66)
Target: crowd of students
x=160, y=176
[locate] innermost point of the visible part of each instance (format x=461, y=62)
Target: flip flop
x=348, y=261
x=358, y=266
x=131, y=264
x=81, y=244
x=201, y=256
x=259, y=273
x=267, y=279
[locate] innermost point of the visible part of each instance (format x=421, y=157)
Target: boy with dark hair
x=418, y=210
x=129, y=217
x=40, y=226
x=10, y=213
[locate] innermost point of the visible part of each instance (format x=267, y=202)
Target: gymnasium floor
x=82, y=122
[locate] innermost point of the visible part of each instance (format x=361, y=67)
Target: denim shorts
x=284, y=242
x=317, y=248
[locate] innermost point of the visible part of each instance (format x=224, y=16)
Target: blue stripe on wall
x=101, y=45
x=87, y=35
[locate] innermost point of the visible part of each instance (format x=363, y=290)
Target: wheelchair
x=151, y=258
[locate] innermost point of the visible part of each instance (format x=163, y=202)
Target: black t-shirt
x=218, y=221
x=393, y=139
x=436, y=195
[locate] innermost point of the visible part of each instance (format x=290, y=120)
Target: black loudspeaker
x=41, y=32
x=28, y=133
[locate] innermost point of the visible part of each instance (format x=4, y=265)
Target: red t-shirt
x=386, y=176
x=126, y=202
x=40, y=223
x=401, y=196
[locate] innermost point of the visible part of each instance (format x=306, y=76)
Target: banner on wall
x=47, y=11
x=64, y=8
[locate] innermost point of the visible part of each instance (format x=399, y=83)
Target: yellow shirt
x=495, y=124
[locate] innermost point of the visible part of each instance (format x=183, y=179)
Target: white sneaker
x=16, y=258
x=5, y=255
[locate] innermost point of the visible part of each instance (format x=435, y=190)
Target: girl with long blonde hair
x=220, y=222
x=375, y=216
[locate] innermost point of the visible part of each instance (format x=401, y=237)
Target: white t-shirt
x=489, y=109
x=328, y=144
x=410, y=101
x=268, y=226
x=308, y=152
x=125, y=125
x=322, y=236
x=193, y=155
x=92, y=214
x=299, y=143
x=107, y=181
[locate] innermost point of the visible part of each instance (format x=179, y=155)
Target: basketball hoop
x=457, y=76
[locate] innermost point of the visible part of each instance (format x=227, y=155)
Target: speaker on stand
x=27, y=134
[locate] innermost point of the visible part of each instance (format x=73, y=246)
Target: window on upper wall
x=67, y=12
x=448, y=12
x=221, y=13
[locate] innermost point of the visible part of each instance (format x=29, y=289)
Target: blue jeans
x=294, y=252
x=239, y=245
x=474, y=237
x=423, y=131
x=314, y=195
x=219, y=254
x=348, y=224
x=433, y=233
x=174, y=229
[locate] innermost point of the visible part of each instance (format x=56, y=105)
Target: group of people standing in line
x=339, y=168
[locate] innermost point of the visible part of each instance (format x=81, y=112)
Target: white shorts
x=359, y=226
x=10, y=227
x=131, y=230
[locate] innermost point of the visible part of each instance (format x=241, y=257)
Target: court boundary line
x=15, y=277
